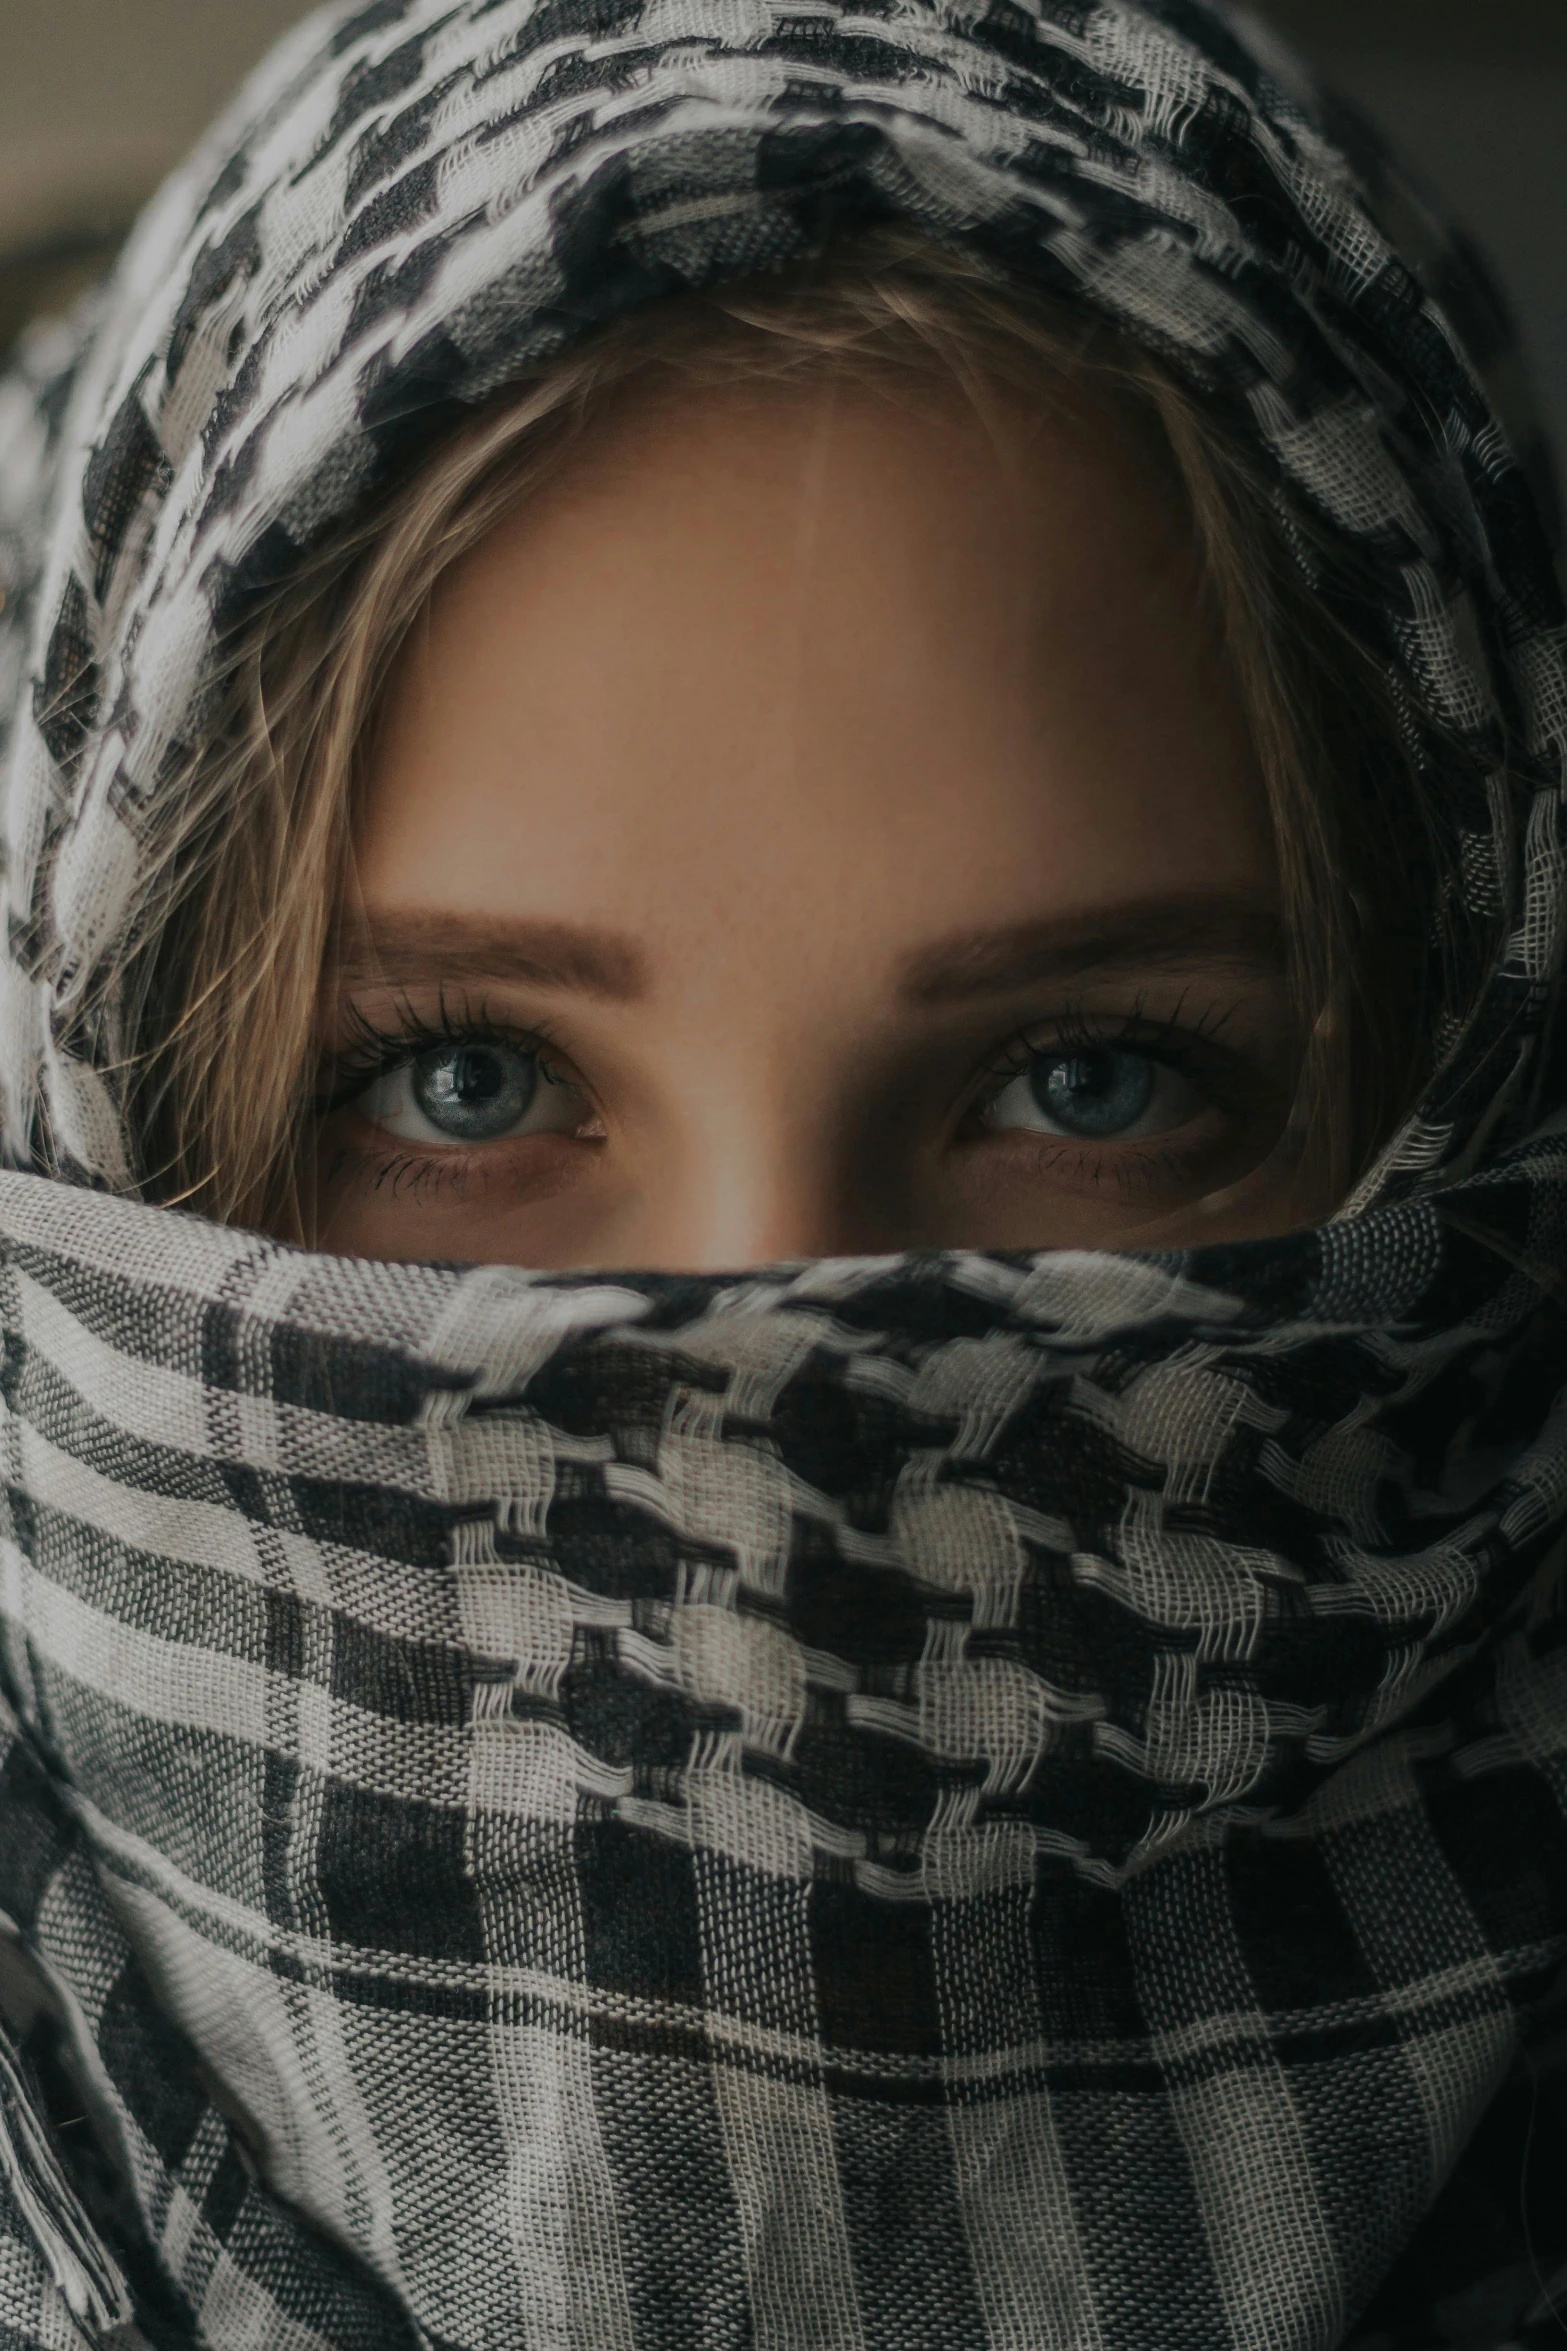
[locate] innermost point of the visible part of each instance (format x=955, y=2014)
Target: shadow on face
x=821, y=823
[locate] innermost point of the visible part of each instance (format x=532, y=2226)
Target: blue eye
x=1095, y=1093
x=474, y=1092
x=470, y=1093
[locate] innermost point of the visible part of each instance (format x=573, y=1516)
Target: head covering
x=965, y=1802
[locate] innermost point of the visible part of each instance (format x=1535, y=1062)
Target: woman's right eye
x=475, y=1093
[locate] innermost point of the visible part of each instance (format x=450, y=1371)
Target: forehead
x=753, y=639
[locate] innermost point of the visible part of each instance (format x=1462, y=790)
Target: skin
x=808, y=770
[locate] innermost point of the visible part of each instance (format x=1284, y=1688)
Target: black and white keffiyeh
x=957, y=1803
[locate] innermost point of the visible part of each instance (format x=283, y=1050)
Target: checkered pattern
x=950, y=1804
x=889, y=1804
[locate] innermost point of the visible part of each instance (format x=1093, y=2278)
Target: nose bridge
x=755, y=1161
x=745, y=1191
x=748, y=1134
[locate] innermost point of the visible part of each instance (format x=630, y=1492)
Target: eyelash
x=1190, y=1048
x=372, y=1052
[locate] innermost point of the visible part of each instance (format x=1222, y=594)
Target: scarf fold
x=967, y=1802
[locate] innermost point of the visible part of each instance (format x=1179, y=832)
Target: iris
x=1093, y=1093
x=475, y=1093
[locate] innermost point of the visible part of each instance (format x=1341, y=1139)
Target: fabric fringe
x=81, y=2265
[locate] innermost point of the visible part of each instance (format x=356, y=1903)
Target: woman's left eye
x=475, y=1093
x=1096, y=1093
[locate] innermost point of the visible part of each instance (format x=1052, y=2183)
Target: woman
x=645, y=644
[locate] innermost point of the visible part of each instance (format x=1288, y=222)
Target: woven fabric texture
x=959, y=1803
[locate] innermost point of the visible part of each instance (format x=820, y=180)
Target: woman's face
x=820, y=824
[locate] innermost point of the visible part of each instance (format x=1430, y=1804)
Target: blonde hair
x=221, y=992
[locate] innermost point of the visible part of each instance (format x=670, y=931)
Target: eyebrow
x=1165, y=934
x=398, y=948
x=1157, y=934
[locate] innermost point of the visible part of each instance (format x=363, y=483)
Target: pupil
x=474, y=1091
x=475, y=1077
x=1094, y=1093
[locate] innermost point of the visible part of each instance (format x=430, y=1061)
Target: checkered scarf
x=955, y=1803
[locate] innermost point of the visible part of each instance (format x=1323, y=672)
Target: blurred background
x=98, y=97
